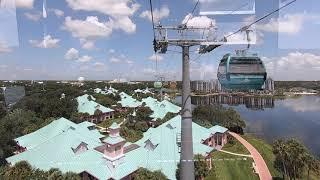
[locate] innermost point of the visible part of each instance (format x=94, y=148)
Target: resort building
x=128, y=101
x=96, y=112
x=160, y=109
x=81, y=149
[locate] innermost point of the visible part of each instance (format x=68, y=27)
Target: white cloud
x=89, y=28
x=129, y=62
x=47, y=42
x=99, y=66
x=33, y=16
x=85, y=59
x=114, y=8
x=294, y=66
x=158, y=14
x=28, y=4
x=198, y=21
x=4, y=48
x=115, y=60
x=72, y=54
x=155, y=57
x=288, y=23
x=111, y=51
x=58, y=12
x=120, y=11
x=87, y=44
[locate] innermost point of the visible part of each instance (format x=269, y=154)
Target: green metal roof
x=113, y=140
x=128, y=101
x=56, y=151
x=89, y=106
x=114, y=125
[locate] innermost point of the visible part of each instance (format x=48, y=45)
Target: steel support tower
x=184, y=41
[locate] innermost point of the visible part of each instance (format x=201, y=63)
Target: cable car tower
x=165, y=36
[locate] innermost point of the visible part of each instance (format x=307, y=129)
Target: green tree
x=143, y=114
x=143, y=174
x=21, y=170
x=200, y=166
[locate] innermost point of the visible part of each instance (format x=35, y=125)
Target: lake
x=270, y=119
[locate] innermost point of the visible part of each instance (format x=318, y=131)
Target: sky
x=109, y=39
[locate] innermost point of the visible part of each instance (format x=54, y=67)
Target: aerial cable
x=194, y=8
x=244, y=28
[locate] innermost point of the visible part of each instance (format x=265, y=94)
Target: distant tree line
x=292, y=84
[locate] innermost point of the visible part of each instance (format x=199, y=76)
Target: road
x=262, y=168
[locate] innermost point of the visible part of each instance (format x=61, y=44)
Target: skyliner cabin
x=80, y=148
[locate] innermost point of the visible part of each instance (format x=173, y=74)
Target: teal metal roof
x=113, y=140
x=87, y=106
x=160, y=109
x=56, y=151
x=114, y=125
x=218, y=129
x=128, y=101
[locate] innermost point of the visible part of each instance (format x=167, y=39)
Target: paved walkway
x=262, y=168
x=236, y=154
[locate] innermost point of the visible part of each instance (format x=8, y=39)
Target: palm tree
x=279, y=149
x=200, y=166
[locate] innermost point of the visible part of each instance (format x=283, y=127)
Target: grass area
x=232, y=169
x=265, y=150
x=235, y=147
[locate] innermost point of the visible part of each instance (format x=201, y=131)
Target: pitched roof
x=128, y=101
x=90, y=106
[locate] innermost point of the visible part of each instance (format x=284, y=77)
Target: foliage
x=130, y=134
x=23, y=170
x=143, y=174
x=107, y=100
x=292, y=158
x=17, y=123
x=166, y=118
x=3, y=111
x=141, y=126
x=200, y=166
x=143, y=114
x=211, y=115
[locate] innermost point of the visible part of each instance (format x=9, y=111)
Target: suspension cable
x=194, y=8
x=258, y=20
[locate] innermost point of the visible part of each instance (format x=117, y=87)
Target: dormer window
x=80, y=148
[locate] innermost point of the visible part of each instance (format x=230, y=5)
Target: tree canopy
x=218, y=115
x=292, y=158
x=143, y=174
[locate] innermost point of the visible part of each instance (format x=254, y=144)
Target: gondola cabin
x=241, y=72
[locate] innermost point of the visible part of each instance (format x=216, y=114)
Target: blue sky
x=108, y=39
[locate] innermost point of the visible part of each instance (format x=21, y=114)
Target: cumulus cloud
x=99, y=66
x=89, y=28
x=115, y=60
x=4, y=48
x=47, y=42
x=120, y=12
x=58, y=12
x=36, y=16
x=87, y=44
x=294, y=66
x=155, y=57
x=28, y=4
x=158, y=14
x=85, y=59
x=289, y=23
x=72, y=54
x=198, y=21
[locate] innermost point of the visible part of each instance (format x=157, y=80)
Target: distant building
x=269, y=85
x=206, y=86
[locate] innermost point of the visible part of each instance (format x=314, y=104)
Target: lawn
x=237, y=168
x=265, y=150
